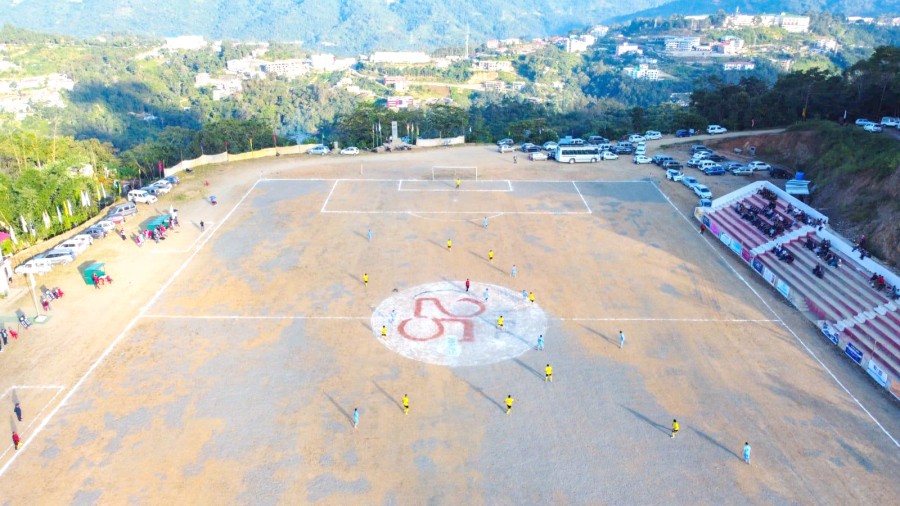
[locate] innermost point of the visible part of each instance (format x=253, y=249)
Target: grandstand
x=862, y=321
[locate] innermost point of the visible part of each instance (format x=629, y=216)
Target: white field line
x=329, y=317
x=691, y=320
x=480, y=180
x=325, y=204
x=549, y=213
x=119, y=338
x=455, y=190
x=37, y=415
x=781, y=321
x=582, y=198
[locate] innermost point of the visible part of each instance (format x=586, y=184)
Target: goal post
x=452, y=172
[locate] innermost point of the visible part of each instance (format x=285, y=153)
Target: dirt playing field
x=223, y=366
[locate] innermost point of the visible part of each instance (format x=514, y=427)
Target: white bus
x=572, y=154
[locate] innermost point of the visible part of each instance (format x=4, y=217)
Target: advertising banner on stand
x=830, y=332
x=877, y=373
x=854, y=353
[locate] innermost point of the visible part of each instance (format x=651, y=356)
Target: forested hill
x=692, y=7
x=363, y=25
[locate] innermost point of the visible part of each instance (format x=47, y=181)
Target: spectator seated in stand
x=819, y=271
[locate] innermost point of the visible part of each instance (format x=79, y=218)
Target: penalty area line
x=689, y=320
x=582, y=198
x=250, y=317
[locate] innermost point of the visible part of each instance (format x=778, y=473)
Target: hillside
x=691, y=7
x=350, y=26
x=856, y=176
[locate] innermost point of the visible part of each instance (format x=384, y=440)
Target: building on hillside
x=494, y=85
x=784, y=64
x=793, y=23
x=492, y=44
x=579, y=44
x=397, y=103
x=328, y=63
x=398, y=83
x=185, y=42
x=599, y=30
x=222, y=87
x=492, y=65
x=400, y=57
x=247, y=67
x=826, y=45
x=860, y=19
x=738, y=65
x=511, y=42
x=681, y=43
x=627, y=47
x=287, y=68
x=643, y=72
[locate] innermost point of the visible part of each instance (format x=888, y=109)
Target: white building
x=827, y=45
x=682, y=43
x=400, y=57
x=288, y=68
x=643, y=72
x=580, y=43
x=794, y=23
x=493, y=65
x=790, y=22
x=185, y=42
x=599, y=30
x=222, y=87
x=625, y=48
x=738, y=65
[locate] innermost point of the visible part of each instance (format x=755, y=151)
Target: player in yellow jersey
x=383, y=332
x=449, y=245
x=548, y=374
x=674, y=428
x=531, y=297
x=491, y=256
x=405, y=404
x=366, y=279
x=509, y=403
x=500, y=322
x=458, y=182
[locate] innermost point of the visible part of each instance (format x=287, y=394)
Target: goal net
x=451, y=173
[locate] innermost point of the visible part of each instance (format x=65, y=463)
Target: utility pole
x=467, y=41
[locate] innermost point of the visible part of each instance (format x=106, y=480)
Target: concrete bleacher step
x=843, y=290
x=737, y=228
x=804, y=289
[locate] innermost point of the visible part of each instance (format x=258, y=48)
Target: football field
x=237, y=382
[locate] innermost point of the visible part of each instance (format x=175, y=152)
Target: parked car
x=622, y=149
x=890, y=121
x=699, y=147
x=550, y=146
x=757, y=165
x=319, y=149
x=674, y=175
x=715, y=129
x=568, y=141
x=96, y=231
x=863, y=121
x=689, y=181
x=636, y=138
x=57, y=256
x=504, y=148
x=530, y=148
x=641, y=159
x=163, y=185
x=597, y=139
x=672, y=164
x=124, y=209
x=106, y=225
x=715, y=170
x=537, y=156
x=740, y=170
x=652, y=135
x=659, y=159
x=778, y=173
x=32, y=264
x=694, y=162
x=640, y=151
x=153, y=190
x=706, y=164
x=116, y=218
x=141, y=196
x=508, y=142
x=702, y=191
x=350, y=150
x=84, y=238
x=717, y=158
x=731, y=165
x=606, y=155
x=682, y=133
x=173, y=180
x=76, y=247
x=873, y=127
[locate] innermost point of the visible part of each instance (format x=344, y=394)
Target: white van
x=141, y=196
x=705, y=164
x=126, y=209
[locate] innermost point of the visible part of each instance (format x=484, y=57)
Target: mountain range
x=351, y=26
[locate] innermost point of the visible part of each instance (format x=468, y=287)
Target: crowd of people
x=823, y=251
x=878, y=282
x=156, y=233
x=776, y=225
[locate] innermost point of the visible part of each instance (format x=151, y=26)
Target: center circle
x=443, y=323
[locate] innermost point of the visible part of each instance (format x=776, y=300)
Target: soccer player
x=384, y=332
x=548, y=374
x=458, y=182
x=16, y=438
x=355, y=418
x=531, y=297
x=393, y=316
x=524, y=295
x=366, y=279
x=405, y=404
x=540, y=346
x=500, y=322
x=509, y=403
x=484, y=222
x=468, y=284
x=674, y=428
x=621, y=339
x=449, y=245
x=485, y=294
x=747, y=452
x=491, y=256
x=370, y=235
x=514, y=271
